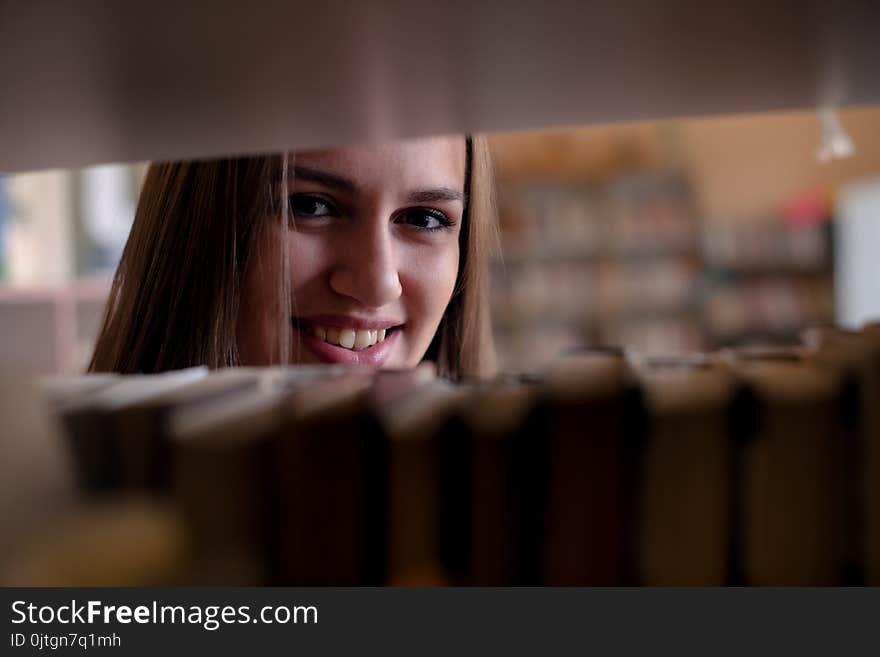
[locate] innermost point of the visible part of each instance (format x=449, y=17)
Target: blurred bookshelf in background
x=673, y=237
x=614, y=263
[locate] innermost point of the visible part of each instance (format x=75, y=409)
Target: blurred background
x=667, y=237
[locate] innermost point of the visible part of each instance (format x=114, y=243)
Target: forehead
x=405, y=165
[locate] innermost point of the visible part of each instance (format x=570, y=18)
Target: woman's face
x=373, y=248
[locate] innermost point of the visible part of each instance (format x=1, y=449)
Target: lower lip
x=373, y=356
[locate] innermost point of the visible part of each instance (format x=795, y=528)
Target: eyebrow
x=325, y=178
x=334, y=180
x=435, y=195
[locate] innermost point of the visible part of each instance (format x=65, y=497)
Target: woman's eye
x=305, y=205
x=425, y=219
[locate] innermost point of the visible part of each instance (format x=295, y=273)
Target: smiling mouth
x=348, y=337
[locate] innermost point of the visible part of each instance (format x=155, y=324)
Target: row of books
x=749, y=245
x=574, y=291
x=530, y=350
x=770, y=307
x=537, y=344
x=633, y=215
x=656, y=334
x=756, y=466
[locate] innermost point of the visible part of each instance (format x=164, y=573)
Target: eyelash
x=443, y=220
x=293, y=198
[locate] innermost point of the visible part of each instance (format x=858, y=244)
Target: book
x=329, y=482
x=591, y=414
x=688, y=529
x=89, y=423
x=493, y=486
x=412, y=427
x=141, y=427
x=223, y=474
x=793, y=499
x=871, y=454
x=856, y=357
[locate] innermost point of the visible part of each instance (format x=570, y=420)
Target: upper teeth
x=349, y=338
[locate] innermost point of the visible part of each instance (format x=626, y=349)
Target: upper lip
x=348, y=321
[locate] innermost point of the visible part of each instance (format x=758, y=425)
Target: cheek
x=307, y=261
x=446, y=277
x=431, y=282
x=260, y=312
x=257, y=322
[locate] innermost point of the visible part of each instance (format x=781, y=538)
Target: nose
x=366, y=268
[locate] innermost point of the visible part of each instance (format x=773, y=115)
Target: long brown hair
x=175, y=297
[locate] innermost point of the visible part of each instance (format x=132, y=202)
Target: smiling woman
x=376, y=256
